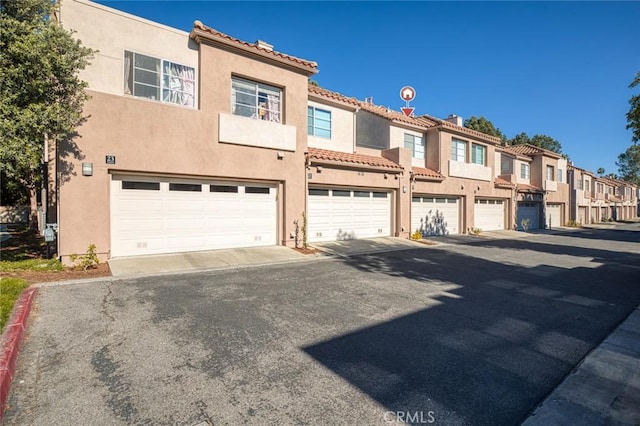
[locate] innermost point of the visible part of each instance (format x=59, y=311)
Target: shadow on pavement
x=492, y=347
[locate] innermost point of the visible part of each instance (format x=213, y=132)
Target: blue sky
x=558, y=68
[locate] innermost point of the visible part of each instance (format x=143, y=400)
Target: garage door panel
x=435, y=215
x=489, y=215
x=554, y=214
x=342, y=214
x=530, y=212
x=166, y=221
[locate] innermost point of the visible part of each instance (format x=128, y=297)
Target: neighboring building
x=544, y=199
x=583, y=208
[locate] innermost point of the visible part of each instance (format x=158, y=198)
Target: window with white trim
x=524, y=171
x=256, y=100
x=580, y=185
x=560, y=175
x=478, y=154
x=550, y=173
x=318, y=122
x=599, y=188
x=458, y=150
x=158, y=79
x=415, y=144
x=587, y=186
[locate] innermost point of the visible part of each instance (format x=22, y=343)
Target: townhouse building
x=198, y=141
x=542, y=189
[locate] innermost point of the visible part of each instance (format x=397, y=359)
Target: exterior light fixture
x=87, y=169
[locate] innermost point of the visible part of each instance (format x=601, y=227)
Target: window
x=318, y=122
x=256, y=190
x=323, y=192
x=147, y=186
x=560, y=175
x=362, y=194
x=380, y=195
x=580, y=185
x=587, y=186
x=415, y=144
x=524, y=171
x=478, y=154
x=158, y=79
x=341, y=193
x=599, y=188
x=549, y=172
x=255, y=100
x=193, y=187
x=223, y=188
x=458, y=150
x=506, y=165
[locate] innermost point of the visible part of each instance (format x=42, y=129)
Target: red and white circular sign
x=407, y=93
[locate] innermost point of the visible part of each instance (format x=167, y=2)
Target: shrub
x=524, y=223
x=476, y=231
x=89, y=260
x=417, y=235
x=574, y=224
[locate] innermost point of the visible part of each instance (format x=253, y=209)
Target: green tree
x=519, y=139
x=629, y=164
x=546, y=142
x=600, y=171
x=633, y=116
x=41, y=95
x=485, y=126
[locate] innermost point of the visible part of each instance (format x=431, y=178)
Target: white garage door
x=161, y=215
x=489, y=214
x=554, y=215
x=530, y=212
x=582, y=215
x=435, y=215
x=345, y=214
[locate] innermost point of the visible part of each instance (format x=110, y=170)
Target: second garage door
x=528, y=212
x=489, y=214
x=435, y=215
x=554, y=215
x=346, y=214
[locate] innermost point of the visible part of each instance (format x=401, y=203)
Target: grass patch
x=10, y=289
x=31, y=265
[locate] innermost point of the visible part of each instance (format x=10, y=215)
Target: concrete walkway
x=194, y=261
x=604, y=388
x=370, y=245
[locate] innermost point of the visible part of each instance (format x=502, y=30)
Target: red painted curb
x=11, y=342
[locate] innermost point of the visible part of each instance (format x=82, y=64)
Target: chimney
x=264, y=45
x=455, y=119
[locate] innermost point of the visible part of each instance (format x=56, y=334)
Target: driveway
x=472, y=333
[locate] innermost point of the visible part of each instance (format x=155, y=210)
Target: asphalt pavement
x=478, y=332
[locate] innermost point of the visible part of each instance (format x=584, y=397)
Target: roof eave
x=201, y=36
x=350, y=165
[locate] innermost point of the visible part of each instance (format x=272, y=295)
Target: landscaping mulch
x=309, y=250
x=26, y=243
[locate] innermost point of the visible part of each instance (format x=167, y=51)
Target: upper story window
x=524, y=171
x=550, y=173
x=458, y=150
x=255, y=100
x=478, y=154
x=415, y=144
x=506, y=165
x=560, y=175
x=319, y=122
x=599, y=188
x=587, y=185
x=580, y=185
x=610, y=190
x=159, y=79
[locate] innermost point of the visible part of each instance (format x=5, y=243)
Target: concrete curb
x=11, y=342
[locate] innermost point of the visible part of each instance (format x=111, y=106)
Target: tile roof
x=344, y=157
x=528, y=149
x=527, y=187
x=397, y=116
x=462, y=129
x=508, y=150
x=315, y=90
x=215, y=34
x=571, y=166
x=503, y=182
x=614, y=199
x=424, y=172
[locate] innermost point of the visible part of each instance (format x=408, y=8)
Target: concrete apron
x=370, y=245
x=191, y=261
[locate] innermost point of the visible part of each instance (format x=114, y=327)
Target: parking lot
x=476, y=330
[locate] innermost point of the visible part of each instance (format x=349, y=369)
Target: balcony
x=470, y=171
x=238, y=130
x=550, y=185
